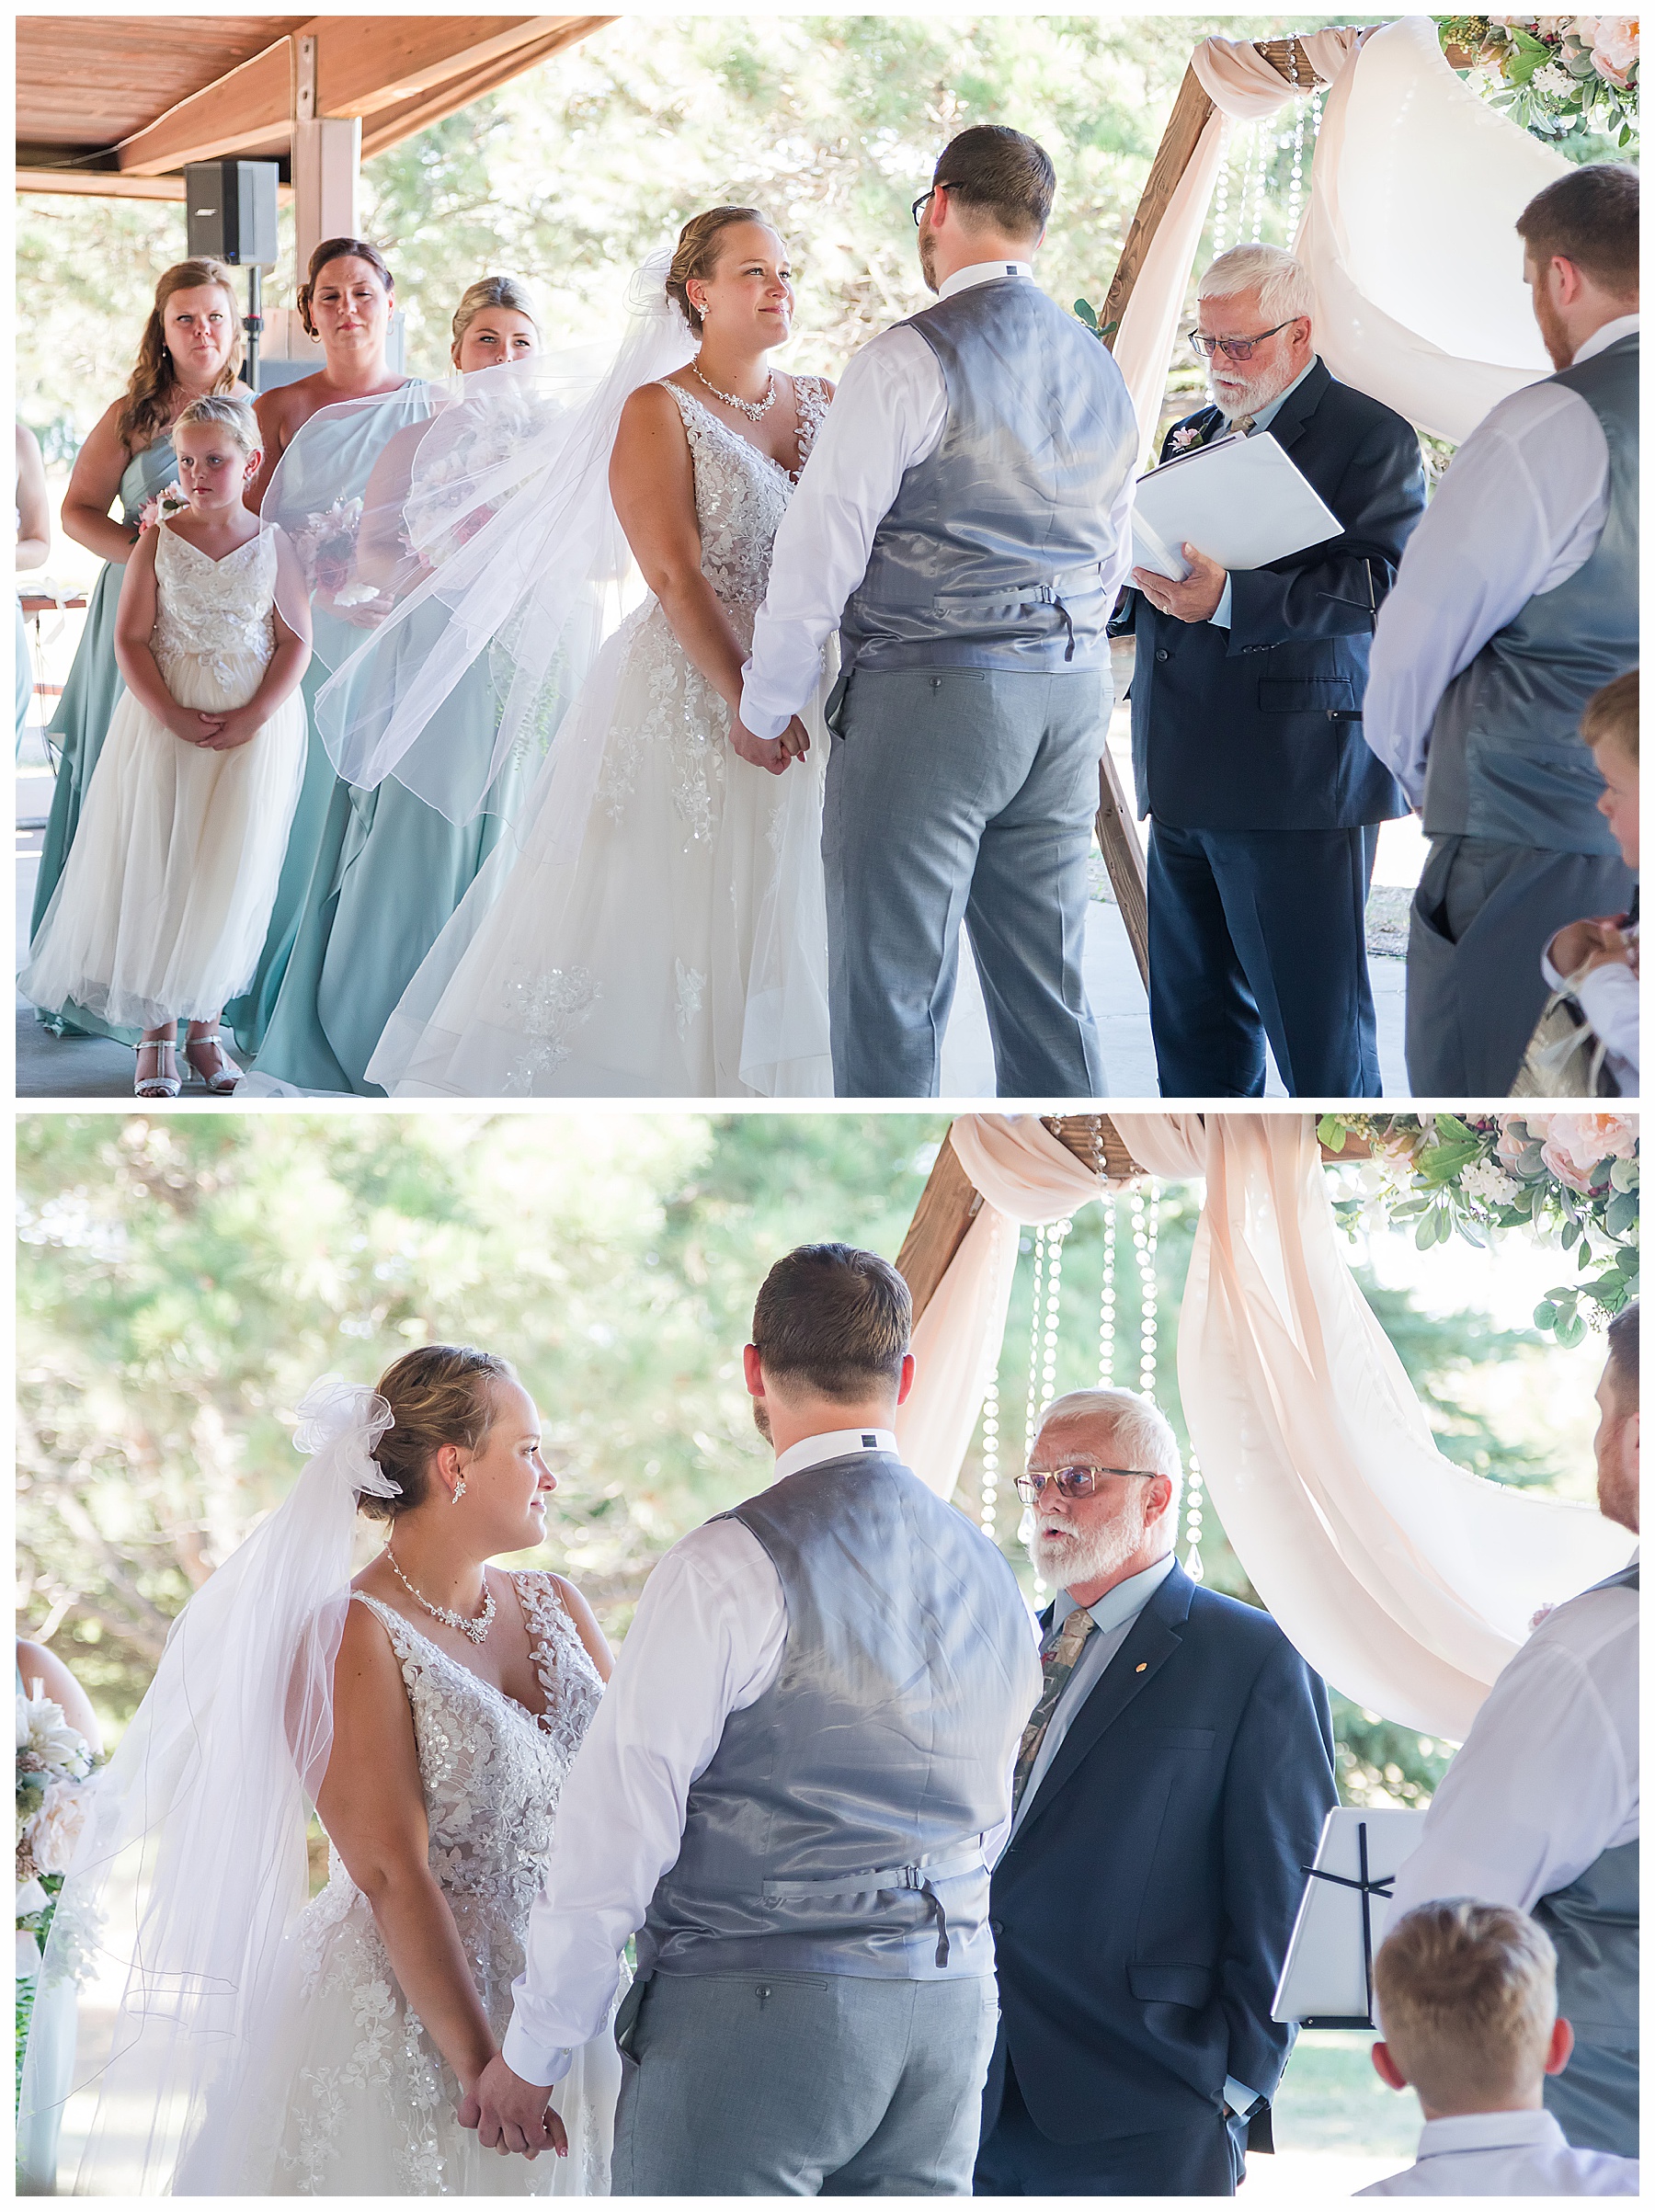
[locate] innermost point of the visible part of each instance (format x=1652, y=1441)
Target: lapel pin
x=1141, y=1665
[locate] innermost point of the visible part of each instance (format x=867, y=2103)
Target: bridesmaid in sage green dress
x=191, y=345
x=346, y=301
x=392, y=870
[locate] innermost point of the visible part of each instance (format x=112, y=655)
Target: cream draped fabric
x=1404, y=1580
x=1408, y=233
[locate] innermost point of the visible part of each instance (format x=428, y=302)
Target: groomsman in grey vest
x=1517, y=599
x=965, y=522
x=1539, y=1807
x=792, y=1792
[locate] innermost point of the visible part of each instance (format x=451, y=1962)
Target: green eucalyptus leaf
x=1545, y=1314
x=1570, y=1333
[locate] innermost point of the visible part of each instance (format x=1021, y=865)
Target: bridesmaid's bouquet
x=326, y=548
x=54, y=1782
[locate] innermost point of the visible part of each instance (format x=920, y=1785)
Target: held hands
x=216, y=733
x=1590, y=945
x=773, y=753
x=511, y=2114
x=1195, y=599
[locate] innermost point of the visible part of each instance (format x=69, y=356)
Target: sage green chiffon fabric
x=81, y=721
x=332, y=458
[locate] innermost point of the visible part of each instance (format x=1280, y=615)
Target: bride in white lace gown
x=657, y=926
x=266, y=2046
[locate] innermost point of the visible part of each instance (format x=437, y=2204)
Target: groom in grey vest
x=965, y=522
x=792, y=1793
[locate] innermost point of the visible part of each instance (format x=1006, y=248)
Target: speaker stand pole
x=253, y=323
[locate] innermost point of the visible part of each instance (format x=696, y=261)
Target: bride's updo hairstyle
x=442, y=1393
x=697, y=253
x=341, y=249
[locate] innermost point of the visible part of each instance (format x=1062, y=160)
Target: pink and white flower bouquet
x=1556, y=76
x=1572, y=1178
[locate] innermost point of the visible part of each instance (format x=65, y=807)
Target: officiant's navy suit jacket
x=1141, y=1909
x=1259, y=727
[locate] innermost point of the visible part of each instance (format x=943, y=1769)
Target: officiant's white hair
x=1282, y=283
x=1141, y=1432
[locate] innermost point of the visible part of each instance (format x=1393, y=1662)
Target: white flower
x=1488, y=1182
x=1555, y=79
x=43, y=1731
x=31, y=1897
x=56, y=1829
x=28, y=1955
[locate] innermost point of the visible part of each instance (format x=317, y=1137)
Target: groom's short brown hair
x=1002, y=175
x=833, y=1317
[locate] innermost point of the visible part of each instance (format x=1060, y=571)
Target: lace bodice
x=492, y=1770
x=219, y=614
x=492, y=1773
x=741, y=494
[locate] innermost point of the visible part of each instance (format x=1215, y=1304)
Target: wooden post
x=1172, y=157
x=1124, y=857
x=947, y=1207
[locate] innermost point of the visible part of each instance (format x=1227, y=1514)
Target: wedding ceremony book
x=1240, y=501
x=1327, y=1977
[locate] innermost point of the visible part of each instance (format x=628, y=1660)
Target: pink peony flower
x=56, y=1828
x=1614, y=49
x=1576, y=1143
x=1514, y=1136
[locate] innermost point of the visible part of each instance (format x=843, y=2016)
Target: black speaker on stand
x=230, y=212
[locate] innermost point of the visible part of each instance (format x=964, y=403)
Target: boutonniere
x=1186, y=435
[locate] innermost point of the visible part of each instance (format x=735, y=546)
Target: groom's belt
x=918, y=1878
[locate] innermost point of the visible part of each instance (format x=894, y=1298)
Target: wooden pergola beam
x=399, y=74
x=109, y=184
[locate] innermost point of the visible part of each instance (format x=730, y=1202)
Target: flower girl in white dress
x=162, y=910
x=265, y=2045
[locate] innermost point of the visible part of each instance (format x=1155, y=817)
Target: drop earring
x=459, y=1491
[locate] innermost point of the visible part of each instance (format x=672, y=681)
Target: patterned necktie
x=1241, y=427
x=1058, y=1663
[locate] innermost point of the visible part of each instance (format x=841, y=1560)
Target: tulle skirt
x=163, y=901
x=656, y=923
x=345, y=2094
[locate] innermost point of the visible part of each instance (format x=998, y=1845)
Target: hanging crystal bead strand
x=1221, y=192
x=990, y=1498
x=1053, y=1301
x=1193, y=1490
x=1146, y=1237
x=1295, y=182
x=1106, y=1300
x=1026, y=1527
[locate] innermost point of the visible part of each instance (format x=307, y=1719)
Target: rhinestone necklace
x=477, y=1630
x=754, y=409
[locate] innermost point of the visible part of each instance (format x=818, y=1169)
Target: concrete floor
x=91, y=1067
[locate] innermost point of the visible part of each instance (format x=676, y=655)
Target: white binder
x=1327, y=1977
x=1240, y=501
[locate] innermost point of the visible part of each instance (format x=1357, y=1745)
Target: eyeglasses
x=1233, y=349
x=1078, y=1481
x=919, y=203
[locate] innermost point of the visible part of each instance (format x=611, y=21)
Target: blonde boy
x=1469, y=2009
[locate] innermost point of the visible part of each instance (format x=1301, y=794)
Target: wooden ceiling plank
x=236, y=110
x=390, y=129
x=109, y=184
x=365, y=63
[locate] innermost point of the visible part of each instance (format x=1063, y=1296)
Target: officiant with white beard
x=966, y=512
x=792, y=1792
x=1246, y=705
x=1170, y=1787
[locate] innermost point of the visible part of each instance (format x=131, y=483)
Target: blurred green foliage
x=182, y=1280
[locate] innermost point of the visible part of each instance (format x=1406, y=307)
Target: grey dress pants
x=962, y=794
x=1482, y=916
x=765, y=2084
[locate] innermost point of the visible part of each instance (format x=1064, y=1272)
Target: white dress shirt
x=889, y=413
x=1506, y=2154
x=1522, y=507
x=706, y=1641
x=1547, y=1778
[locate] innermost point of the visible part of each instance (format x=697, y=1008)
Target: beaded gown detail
x=355, y=2099
x=678, y=946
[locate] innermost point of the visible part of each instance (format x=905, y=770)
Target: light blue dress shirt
x=1114, y=1615
x=1220, y=616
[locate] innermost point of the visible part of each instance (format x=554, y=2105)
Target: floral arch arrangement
x=1572, y=1178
